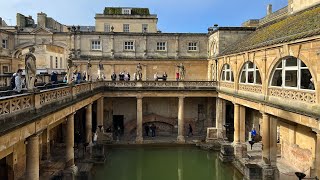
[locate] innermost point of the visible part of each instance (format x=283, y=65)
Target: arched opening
x=291, y=72
x=250, y=74
x=226, y=73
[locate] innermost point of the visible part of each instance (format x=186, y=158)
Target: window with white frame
x=106, y=27
x=250, y=74
x=57, y=65
x=126, y=11
x=144, y=27
x=128, y=45
x=227, y=74
x=193, y=46
x=126, y=28
x=4, y=43
x=291, y=72
x=60, y=62
x=161, y=46
x=96, y=45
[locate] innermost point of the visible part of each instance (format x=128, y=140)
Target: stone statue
x=138, y=74
x=88, y=74
x=70, y=69
x=182, y=71
x=100, y=71
x=31, y=69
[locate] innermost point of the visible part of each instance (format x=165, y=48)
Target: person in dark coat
x=146, y=128
x=190, y=130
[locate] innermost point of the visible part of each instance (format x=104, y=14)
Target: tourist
x=190, y=130
x=177, y=76
x=155, y=76
x=12, y=81
x=78, y=78
x=311, y=85
x=54, y=78
x=95, y=137
x=128, y=76
x=146, y=128
x=153, y=130
x=253, y=134
x=113, y=76
x=18, y=81
x=164, y=76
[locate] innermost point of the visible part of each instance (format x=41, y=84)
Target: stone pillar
x=219, y=117
x=266, y=138
x=100, y=113
x=242, y=132
x=273, y=141
x=181, y=120
x=209, y=112
x=32, y=158
x=70, y=142
x=139, y=138
x=236, y=135
x=46, y=144
x=317, y=167
x=89, y=124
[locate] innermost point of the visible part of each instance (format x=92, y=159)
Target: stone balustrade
x=251, y=88
x=297, y=95
x=30, y=101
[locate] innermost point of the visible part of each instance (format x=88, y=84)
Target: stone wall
x=163, y=110
x=297, y=144
x=298, y=5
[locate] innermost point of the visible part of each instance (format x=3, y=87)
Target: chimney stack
x=269, y=9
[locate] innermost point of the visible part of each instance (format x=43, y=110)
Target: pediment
x=41, y=30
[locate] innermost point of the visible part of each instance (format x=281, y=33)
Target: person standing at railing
x=18, y=81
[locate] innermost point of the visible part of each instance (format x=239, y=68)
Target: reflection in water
x=180, y=165
x=164, y=164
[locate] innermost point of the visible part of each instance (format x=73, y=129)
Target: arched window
x=226, y=74
x=250, y=74
x=291, y=72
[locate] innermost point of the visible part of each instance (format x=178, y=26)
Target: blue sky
x=173, y=15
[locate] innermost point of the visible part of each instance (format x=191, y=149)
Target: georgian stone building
x=263, y=75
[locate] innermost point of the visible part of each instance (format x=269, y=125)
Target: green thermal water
x=174, y=163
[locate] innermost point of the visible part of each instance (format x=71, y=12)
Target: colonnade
x=181, y=128
x=268, y=133
x=32, y=143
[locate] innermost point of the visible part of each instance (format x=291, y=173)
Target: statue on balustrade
x=138, y=74
x=31, y=69
x=182, y=71
x=100, y=71
x=88, y=75
x=70, y=70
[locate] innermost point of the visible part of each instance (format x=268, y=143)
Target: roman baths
x=123, y=100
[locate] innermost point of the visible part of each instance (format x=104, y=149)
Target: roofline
x=233, y=29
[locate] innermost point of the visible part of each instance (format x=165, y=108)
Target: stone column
x=317, y=167
x=236, y=135
x=46, y=144
x=266, y=138
x=219, y=117
x=181, y=120
x=273, y=141
x=139, y=138
x=242, y=132
x=32, y=159
x=70, y=142
x=209, y=111
x=89, y=124
x=100, y=112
